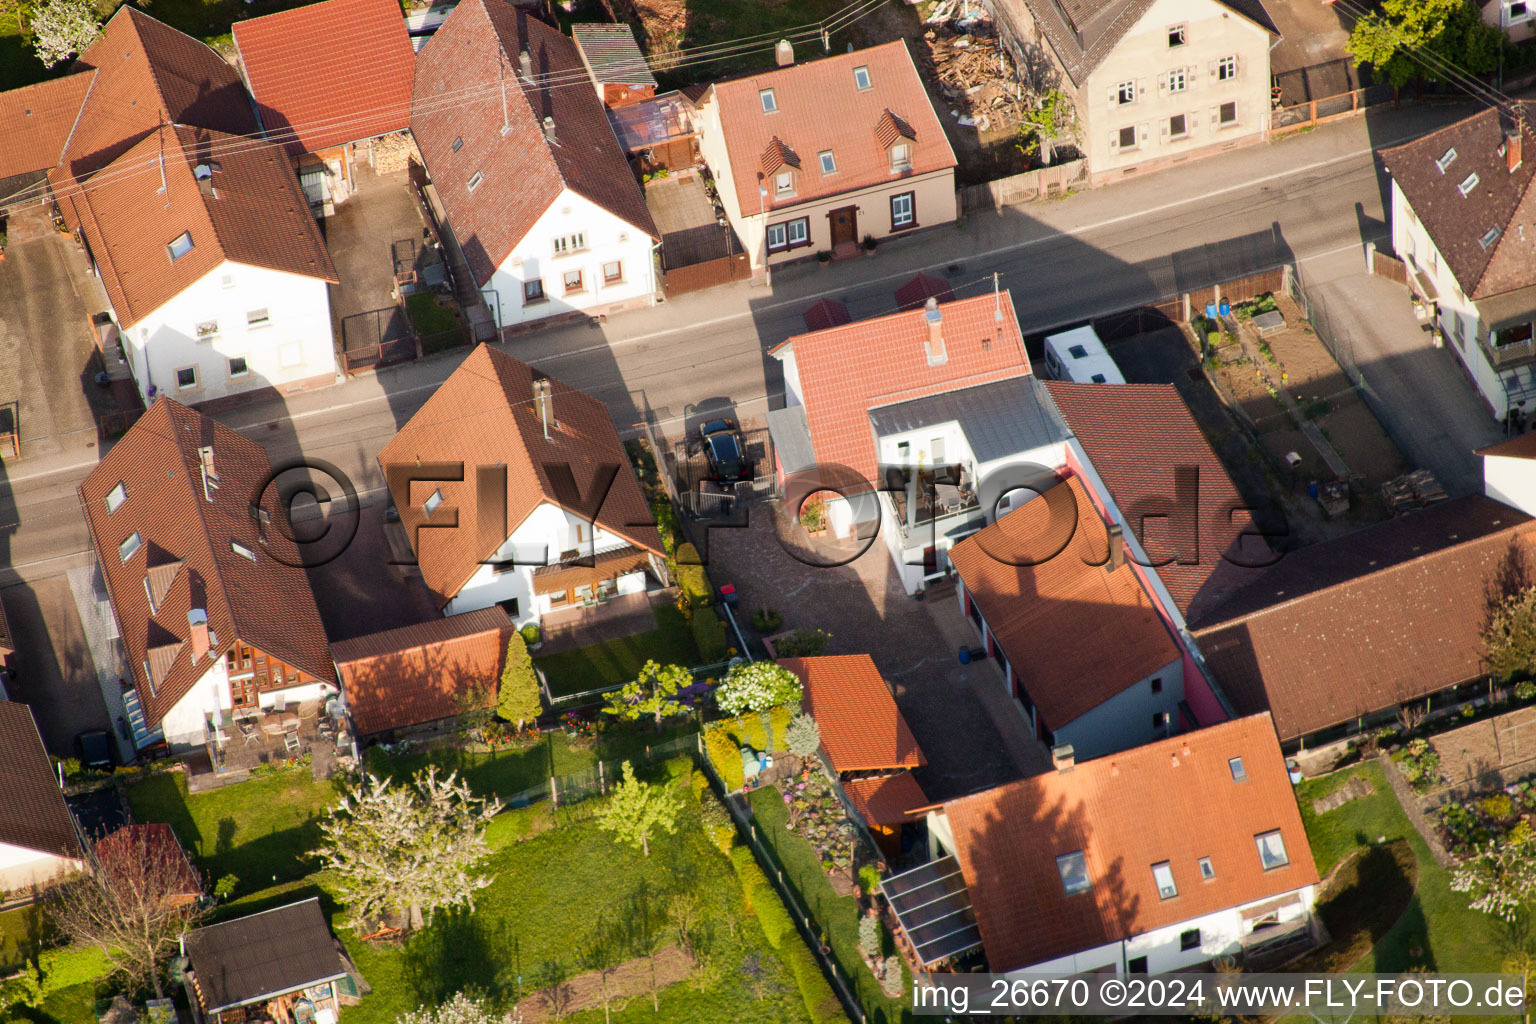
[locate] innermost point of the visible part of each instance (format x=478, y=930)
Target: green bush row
x=763, y=900
x=725, y=754
x=691, y=578
x=709, y=635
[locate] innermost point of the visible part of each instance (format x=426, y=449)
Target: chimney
x=1063, y=757
x=197, y=622
x=544, y=399
x=203, y=172
x=934, y=346
x=1116, y=548
x=210, y=477
x=784, y=53
x=549, y=129
x=525, y=64
x=1512, y=153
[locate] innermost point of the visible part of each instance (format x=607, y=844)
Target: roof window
x=1235, y=766
x=861, y=78
x=180, y=245
x=249, y=554
x=769, y=100
x=1489, y=237
x=1467, y=184
x=115, y=497
x=1446, y=159
x=475, y=180
x=1074, y=872
x=129, y=546
x=433, y=501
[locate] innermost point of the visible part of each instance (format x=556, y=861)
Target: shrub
x=725, y=755
x=666, y=524
x=1520, y=834
x=517, y=700
x=225, y=886
x=691, y=578
x=710, y=637
x=1525, y=690
x=717, y=822
x=820, y=1002
x=757, y=687
x=869, y=937
x=531, y=633
x=803, y=643
x=813, y=514
x=1468, y=711
x=803, y=736
x=869, y=878
x=766, y=620
x=1496, y=807
x=1420, y=765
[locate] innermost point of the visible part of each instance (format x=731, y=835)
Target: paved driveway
x=53, y=670
x=865, y=609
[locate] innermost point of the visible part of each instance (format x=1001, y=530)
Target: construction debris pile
x=971, y=70
x=1411, y=491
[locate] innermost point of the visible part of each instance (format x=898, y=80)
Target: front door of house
x=845, y=226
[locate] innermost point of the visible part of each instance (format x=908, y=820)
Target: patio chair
x=247, y=728
x=291, y=740
x=280, y=702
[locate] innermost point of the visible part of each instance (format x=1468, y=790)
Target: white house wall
x=1512, y=481
x=1143, y=56
x=538, y=540
x=294, y=344
x=183, y=724
x=608, y=239
x=1125, y=720
x=21, y=868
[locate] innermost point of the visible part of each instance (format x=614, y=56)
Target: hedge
x=73, y=965
x=725, y=755
x=709, y=636
x=748, y=729
x=691, y=577
x=820, y=1001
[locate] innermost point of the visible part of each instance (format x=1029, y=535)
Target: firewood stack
x=972, y=71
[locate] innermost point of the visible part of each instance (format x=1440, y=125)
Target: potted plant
x=869, y=245
x=814, y=518
x=824, y=257
x=533, y=636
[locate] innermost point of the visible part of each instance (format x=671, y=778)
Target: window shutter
x=1141, y=87
x=1237, y=66
x=1211, y=69
x=1114, y=96
x=1165, y=131
x=1114, y=140
x=1194, y=122
x=1142, y=132
x=1162, y=84
x=1191, y=76
x=1216, y=116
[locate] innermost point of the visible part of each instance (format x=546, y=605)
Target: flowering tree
x=653, y=693
x=638, y=809
x=1500, y=880
x=63, y=28
x=461, y=1009
x=758, y=686
x=407, y=850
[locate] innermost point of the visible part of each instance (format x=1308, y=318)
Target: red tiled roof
x=35, y=122
x=266, y=603
x=256, y=215
x=824, y=313
x=1369, y=620
x=422, y=673
x=1521, y=447
x=331, y=72
x=33, y=814
x=1075, y=634
x=521, y=172
x=861, y=727
x=123, y=852
x=887, y=799
x=1174, y=800
x=846, y=371
x=482, y=415
x=916, y=292
x=149, y=75
x=804, y=95
x=1140, y=437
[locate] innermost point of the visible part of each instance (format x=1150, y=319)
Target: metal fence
x=574, y=787
x=376, y=338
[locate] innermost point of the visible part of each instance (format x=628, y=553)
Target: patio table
x=272, y=728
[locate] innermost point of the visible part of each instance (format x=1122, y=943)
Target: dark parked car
x=95, y=750
x=725, y=450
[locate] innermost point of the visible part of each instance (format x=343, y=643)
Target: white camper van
x=1078, y=355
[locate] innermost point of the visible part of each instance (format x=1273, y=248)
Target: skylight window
x=475, y=180
x=1162, y=874
x=180, y=245
x=1446, y=159
x=248, y=554
x=1489, y=237
x=433, y=501
x=1074, y=872
x=861, y=78
x=769, y=100
x=115, y=497
x=1271, y=850
x=828, y=162
x=1077, y=352
x=458, y=143
x=1235, y=766
x=1467, y=184
x=1207, y=872
x=130, y=544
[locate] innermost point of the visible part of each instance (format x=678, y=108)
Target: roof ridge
x=1435, y=554
x=957, y=384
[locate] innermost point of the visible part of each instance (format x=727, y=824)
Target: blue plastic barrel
x=1210, y=310
x=1226, y=307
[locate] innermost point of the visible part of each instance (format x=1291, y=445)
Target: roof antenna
x=997, y=300
x=162, y=166
x=506, y=124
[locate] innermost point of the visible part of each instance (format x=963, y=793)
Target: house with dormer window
x=215, y=614
x=1462, y=221
x=795, y=181
x=535, y=189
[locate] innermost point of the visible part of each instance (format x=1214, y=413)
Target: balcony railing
x=932, y=496
x=1502, y=356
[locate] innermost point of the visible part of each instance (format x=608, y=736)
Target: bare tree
x=134, y=906
x=407, y=850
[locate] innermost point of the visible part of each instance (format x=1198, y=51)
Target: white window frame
x=1489, y=239
x=1125, y=93
x=475, y=180
x=861, y=80
x=247, y=553
x=1162, y=877
x=1444, y=160
x=176, y=376
x=130, y=546
x=1226, y=68
x=1178, y=80
x=253, y=321
x=245, y=366
x=1266, y=853
x=1120, y=138
x=828, y=161
x=900, y=219
x=1182, y=29
x=1221, y=122
x=797, y=232
x=1181, y=134
x=576, y=241
x=902, y=162
x=783, y=184
x=433, y=502
x=116, y=496
x=183, y=242
x=618, y=272
x=1512, y=19
x=769, y=101
x=1468, y=185
x=783, y=240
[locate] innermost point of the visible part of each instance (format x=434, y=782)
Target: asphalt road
x=1310, y=197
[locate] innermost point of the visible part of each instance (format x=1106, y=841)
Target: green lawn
x=839, y=915
x=437, y=324
x=619, y=661
x=506, y=773
x=261, y=831
x=1437, y=930
x=717, y=21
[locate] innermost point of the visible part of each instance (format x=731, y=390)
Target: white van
x=1078, y=355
